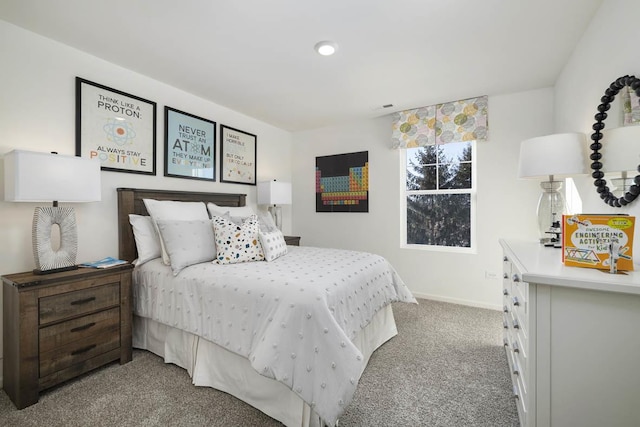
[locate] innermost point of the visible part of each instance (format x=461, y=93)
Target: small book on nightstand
x=104, y=263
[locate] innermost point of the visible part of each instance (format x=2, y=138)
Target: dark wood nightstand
x=292, y=240
x=58, y=326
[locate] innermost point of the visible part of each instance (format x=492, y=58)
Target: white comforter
x=293, y=318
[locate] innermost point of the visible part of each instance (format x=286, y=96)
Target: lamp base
x=276, y=213
x=46, y=257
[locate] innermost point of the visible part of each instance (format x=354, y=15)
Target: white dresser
x=572, y=339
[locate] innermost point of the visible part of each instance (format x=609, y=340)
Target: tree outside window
x=439, y=195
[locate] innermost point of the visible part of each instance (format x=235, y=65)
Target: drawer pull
x=83, y=350
x=505, y=324
x=506, y=342
x=82, y=301
x=505, y=259
x=505, y=291
x=516, y=325
x=516, y=278
x=505, y=309
x=505, y=276
x=515, y=393
x=516, y=349
x=515, y=301
x=83, y=327
x=516, y=371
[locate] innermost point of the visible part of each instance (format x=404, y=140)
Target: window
x=438, y=197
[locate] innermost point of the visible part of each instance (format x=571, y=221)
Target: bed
x=290, y=336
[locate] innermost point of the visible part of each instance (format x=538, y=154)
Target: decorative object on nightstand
x=37, y=177
x=62, y=325
x=274, y=193
x=557, y=155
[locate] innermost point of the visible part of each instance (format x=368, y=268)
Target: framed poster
x=115, y=127
x=342, y=182
x=237, y=156
x=189, y=146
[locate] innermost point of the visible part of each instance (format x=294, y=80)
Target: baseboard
x=458, y=301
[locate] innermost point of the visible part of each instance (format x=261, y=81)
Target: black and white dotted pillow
x=273, y=245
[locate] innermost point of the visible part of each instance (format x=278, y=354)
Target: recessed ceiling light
x=326, y=48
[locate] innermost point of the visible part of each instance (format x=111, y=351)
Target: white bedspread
x=293, y=318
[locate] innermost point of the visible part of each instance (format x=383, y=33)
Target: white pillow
x=234, y=211
x=237, y=243
x=187, y=242
x=273, y=245
x=146, y=237
x=169, y=209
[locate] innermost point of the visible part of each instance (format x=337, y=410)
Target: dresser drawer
x=78, y=351
x=522, y=401
x=61, y=334
x=71, y=304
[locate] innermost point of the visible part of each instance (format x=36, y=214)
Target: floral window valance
x=456, y=121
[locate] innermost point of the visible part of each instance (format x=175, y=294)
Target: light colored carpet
x=446, y=367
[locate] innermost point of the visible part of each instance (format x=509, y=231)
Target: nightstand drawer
x=77, y=351
x=63, y=333
x=59, y=307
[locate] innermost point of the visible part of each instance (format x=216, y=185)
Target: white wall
x=37, y=112
x=505, y=205
x=608, y=50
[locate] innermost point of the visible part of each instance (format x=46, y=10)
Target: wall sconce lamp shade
x=274, y=193
x=558, y=155
x=42, y=177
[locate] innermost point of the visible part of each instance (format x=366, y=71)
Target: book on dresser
x=602, y=241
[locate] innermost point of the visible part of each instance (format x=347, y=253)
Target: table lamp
x=42, y=177
x=558, y=155
x=274, y=193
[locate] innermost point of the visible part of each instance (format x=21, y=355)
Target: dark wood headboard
x=130, y=202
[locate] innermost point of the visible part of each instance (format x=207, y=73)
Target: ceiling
x=256, y=56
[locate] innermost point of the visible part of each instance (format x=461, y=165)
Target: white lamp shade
x=620, y=149
x=274, y=193
x=558, y=155
x=43, y=177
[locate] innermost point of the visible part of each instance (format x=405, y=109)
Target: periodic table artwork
x=342, y=182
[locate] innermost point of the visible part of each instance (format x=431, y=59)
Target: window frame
x=404, y=193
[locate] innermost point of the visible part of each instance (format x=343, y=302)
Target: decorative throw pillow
x=169, y=209
x=187, y=242
x=146, y=237
x=237, y=243
x=234, y=211
x=273, y=245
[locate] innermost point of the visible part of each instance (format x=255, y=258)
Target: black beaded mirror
x=599, y=180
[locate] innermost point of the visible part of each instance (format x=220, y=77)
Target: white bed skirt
x=213, y=366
